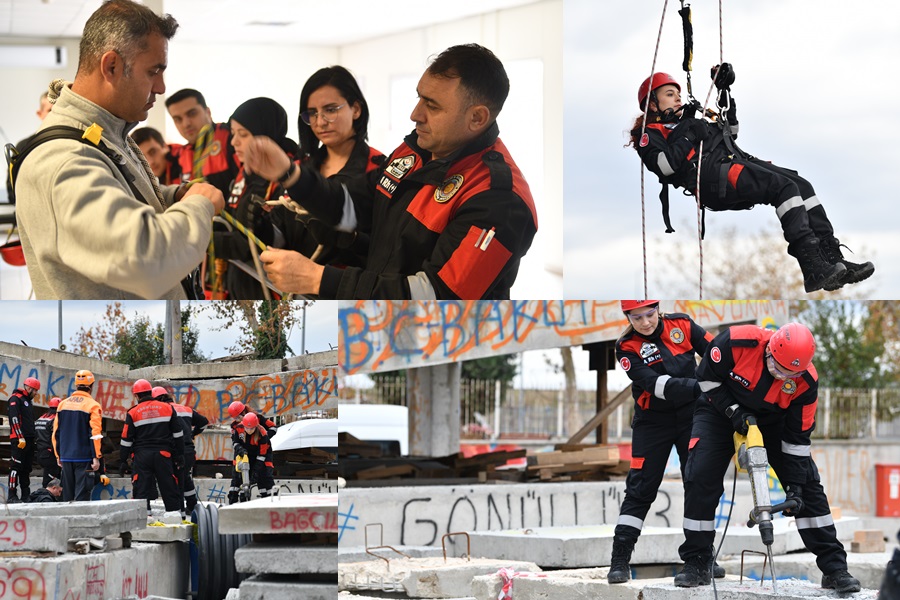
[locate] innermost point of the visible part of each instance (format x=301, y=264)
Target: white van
x=383, y=424
x=307, y=433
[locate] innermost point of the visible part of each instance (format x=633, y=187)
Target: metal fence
x=488, y=411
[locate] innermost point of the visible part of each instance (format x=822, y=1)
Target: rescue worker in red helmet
x=752, y=371
x=731, y=179
x=43, y=443
x=154, y=437
x=21, y=439
x=193, y=424
x=253, y=441
x=237, y=411
x=657, y=351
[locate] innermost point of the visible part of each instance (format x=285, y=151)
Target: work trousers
x=653, y=435
x=712, y=447
x=77, y=481
x=152, y=468
x=186, y=479
x=51, y=468
x=20, y=467
x=750, y=181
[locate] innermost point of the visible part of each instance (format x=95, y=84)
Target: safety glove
x=21, y=443
x=738, y=416
x=793, y=492
x=694, y=130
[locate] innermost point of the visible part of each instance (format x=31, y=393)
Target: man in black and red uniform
x=208, y=152
x=21, y=439
x=43, y=443
x=253, y=442
x=449, y=214
x=751, y=371
x=154, y=437
x=193, y=424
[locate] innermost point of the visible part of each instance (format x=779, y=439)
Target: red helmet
x=159, y=393
x=84, y=377
x=793, y=346
x=250, y=420
x=54, y=402
x=235, y=409
x=633, y=304
x=651, y=83
x=140, y=386
x=32, y=383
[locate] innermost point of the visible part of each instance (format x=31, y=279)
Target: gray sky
x=816, y=92
x=36, y=323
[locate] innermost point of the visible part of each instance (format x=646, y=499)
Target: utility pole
x=303, y=331
x=173, y=333
x=59, y=343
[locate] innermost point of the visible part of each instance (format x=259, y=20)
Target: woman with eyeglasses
x=246, y=203
x=333, y=125
x=657, y=352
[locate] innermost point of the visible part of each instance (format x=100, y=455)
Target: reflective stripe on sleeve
x=659, y=390
x=707, y=386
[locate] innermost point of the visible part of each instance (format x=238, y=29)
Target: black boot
x=619, y=567
x=12, y=496
x=841, y=581
x=695, y=572
x=817, y=272
x=718, y=571
x=890, y=585
x=831, y=251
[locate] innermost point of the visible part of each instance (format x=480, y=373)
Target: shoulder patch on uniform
x=715, y=354
x=626, y=364
x=400, y=166
x=448, y=188
x=645, y=139
x=676, y=335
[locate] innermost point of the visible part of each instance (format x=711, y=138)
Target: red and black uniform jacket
x=661, y=366
x=734, y=370
x=453, y=227
x=237, y=429
x=173, y=174
x=152, y=425
x=192, y=422
x=43, y=434
x=21, y=416
x=257, y=447
x=219, y=167
x=305, y=234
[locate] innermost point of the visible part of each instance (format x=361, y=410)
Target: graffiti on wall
x=390, y=335
x=278, y=393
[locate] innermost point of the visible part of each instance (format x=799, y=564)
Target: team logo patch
x=648, y=349
x=645, y=139
x=400, y=166
x=676, y=335
x=215, y=148
x=789, y=386
x=715, y=354
x=795, y=362
x=626, y=364
x=449, y=187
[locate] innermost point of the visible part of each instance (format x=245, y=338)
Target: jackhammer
x=751, y=457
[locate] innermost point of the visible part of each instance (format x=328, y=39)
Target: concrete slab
x=732, y=590
x=787, y=538
x=122, y=573
x=294, y=513
x=868, y=568
x=283, y=557
x=83, y=519
x=590, y=584
x=163, y=534
x=38, y=534
x=281, y=588
x=572, y=547
x=352, y=596
x=359, y=554
x=422, y=577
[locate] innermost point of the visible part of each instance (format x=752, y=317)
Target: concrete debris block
x=291, y=514
x=163, y=534
x=787, y=539
x=422, y=577
x=114, y=542
x=266, y=588
x=353, y=596
x=526, y=586
x=172, y=517
x=733, y=590
x=868, y=540
x=574, y=547
x=285, y=558
x=37, y=534
x=359, y=554
x=233, y=594
x=86, y=519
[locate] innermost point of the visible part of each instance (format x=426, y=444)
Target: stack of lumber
x=576, y=462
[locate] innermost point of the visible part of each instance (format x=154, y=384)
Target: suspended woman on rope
x=731, y=179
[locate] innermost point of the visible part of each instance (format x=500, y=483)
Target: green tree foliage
x=502, y=368
x=99, y=340
x=852, y=342
x=265, y=326
x=142, y=343
x=270, y=340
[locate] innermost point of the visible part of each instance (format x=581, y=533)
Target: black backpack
x=15, y=156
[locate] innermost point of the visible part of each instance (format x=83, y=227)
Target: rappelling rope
x=643, y=130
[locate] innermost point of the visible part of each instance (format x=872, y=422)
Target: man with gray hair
x=93, y=219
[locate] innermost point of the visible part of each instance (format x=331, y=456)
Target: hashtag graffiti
x=347, y=516
x=216, y=494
